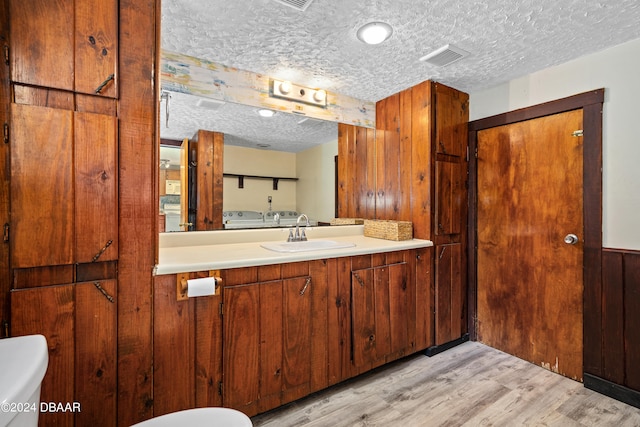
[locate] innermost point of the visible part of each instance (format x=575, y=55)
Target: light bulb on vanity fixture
x=374, y=32
x=284, y=89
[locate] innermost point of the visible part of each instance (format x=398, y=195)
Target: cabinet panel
x=241, y=347
x=449, y=197
x=46, y=50
x=424, y=298
x=96, y=39
x=449, y=293
x=96, y=187
x=95, y=354
x=79, y=323
x=49, y=311
x=42, y=43
x=296, y=337
x=271, y=334
x=42, y=214
x=452, y=116
x=383, y=314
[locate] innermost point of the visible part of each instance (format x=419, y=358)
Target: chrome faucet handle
x=303, y=236
x=290, y=238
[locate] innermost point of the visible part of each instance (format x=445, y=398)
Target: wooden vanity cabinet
x=381, y=313
x=65, y=44
x=268, y=336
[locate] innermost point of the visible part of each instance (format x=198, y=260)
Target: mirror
x=283, y=146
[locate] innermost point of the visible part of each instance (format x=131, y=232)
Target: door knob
x=571, y=239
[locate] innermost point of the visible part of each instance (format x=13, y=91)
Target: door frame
x=591, y=103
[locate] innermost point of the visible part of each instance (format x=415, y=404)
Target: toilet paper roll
x=201, y=287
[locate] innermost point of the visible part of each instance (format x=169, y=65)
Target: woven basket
x=388, y=230
x=347, y=221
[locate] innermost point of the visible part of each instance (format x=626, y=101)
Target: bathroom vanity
x=284, y=324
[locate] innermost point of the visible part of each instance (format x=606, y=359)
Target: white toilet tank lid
x=24, y=362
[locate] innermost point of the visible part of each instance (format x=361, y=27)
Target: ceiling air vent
x=445, y=55
x=210, y=104
x=296, y=4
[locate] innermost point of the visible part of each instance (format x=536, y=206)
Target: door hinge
x=220, y=388
x=578, y=132
x=476, y=152
x=6, y=55
x=5, y=328
x=5, y=236
x=5, y=133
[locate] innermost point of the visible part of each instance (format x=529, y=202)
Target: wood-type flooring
x=468, y=385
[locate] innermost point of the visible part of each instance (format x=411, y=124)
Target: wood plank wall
x=138, y=211
x=5, y=104
x=620, y=349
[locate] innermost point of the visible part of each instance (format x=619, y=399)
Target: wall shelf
x=241, y=178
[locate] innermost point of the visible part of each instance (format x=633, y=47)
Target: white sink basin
x=309, y=245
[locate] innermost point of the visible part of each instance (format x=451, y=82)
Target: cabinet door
x=96, y=187
x=241, y=347
x=449, y=293
x=47, y=51
x=450, y=197
x=371, y=326
x=296, y=337
x=452, y=116
x=79, y=323
x=42, y=43
x=42, y=208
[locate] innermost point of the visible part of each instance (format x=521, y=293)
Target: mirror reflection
x=282, y=164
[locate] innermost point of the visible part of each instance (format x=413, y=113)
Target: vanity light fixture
x=266, y=113
x=286, y=90
x=374, y=32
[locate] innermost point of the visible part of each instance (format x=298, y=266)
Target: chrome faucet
x=299, y=237
x=276, y=218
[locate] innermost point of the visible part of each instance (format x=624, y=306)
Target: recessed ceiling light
x=266, y=113
x=374, y=32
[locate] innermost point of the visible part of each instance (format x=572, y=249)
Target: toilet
x=200, y=417
x=23, y=362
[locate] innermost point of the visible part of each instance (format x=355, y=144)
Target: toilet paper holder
x=182, y=285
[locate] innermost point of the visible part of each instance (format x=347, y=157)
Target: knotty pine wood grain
x=43, y=229
x=469, y=385
x=96, y=187
x=50, y=311
x=34, y=40
x=5, y=174
x=138, y=39
x=95, y=354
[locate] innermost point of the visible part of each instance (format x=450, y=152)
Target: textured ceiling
x=318, y=47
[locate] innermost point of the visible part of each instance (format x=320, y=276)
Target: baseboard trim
x=613, y=390
x=432, y=351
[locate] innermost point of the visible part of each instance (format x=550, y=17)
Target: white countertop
x=223, y=249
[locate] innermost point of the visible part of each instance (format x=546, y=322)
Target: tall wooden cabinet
x=63, y=232
x=414, y=168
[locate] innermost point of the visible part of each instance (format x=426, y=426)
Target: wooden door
x=530, y=282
